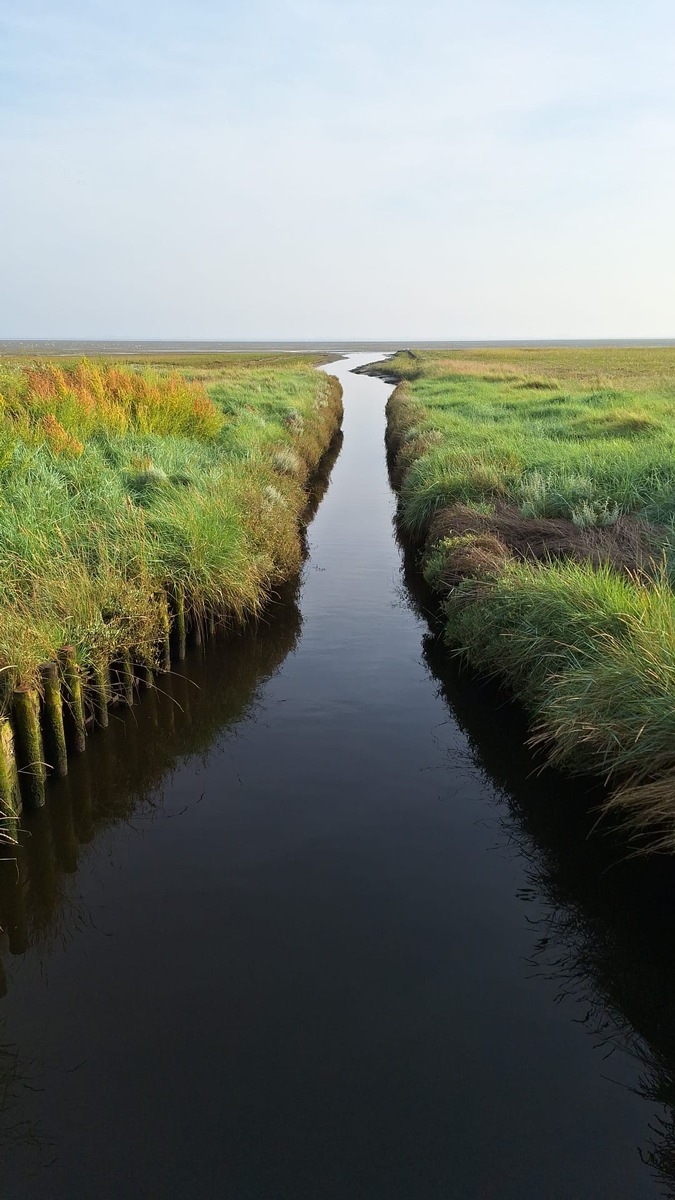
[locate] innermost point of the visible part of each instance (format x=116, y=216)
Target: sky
x=309, y=169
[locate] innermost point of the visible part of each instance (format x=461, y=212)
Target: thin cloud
x=322, y=169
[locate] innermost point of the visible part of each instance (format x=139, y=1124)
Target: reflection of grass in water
x=576, y=951
x=123, y=776
x=126, y=770
x=604, y=932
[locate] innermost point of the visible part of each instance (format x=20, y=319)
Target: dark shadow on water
x=122, y=776
x=608, y=930
x=602, y=925
x=121, y=780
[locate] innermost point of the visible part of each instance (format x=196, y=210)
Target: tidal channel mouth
x=309, y=925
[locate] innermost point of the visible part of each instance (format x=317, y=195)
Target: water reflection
x=121, y=778
x=604, y=922
x=352, y=964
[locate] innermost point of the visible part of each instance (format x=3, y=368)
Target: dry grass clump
x=477, y=556
x=627, y=545
x=91, y=397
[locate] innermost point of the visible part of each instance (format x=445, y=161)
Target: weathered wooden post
x=70, y=671
x=148, y=675
x=10, y=795
x=53, y=732
x=100, y=688
x=28, y=745
x=123, y=678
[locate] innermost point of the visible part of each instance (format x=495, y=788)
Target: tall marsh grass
x=574, y=445
x=592, y=656
x=120, y=481
x=583, y=436
x=67, y=406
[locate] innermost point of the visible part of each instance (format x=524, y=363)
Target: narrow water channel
x=308, y=926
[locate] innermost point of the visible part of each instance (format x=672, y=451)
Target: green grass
x=584, y=435
x=588, y=447
x=118, y=481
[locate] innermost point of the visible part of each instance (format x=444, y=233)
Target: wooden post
x=100, y=686
x=77, y=730
x=10, y=795
x=28, y=746
x=52, y=720
x=5, y=790
x=123, y=678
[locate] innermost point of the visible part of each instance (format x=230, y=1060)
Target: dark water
x=308, y=926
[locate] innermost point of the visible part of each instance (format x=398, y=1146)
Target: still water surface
x=308, y=926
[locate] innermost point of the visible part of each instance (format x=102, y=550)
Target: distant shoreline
x=54, y=347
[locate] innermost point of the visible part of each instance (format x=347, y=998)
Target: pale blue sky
x=308, y=168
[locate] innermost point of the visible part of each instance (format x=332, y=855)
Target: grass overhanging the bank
x=125, y=484
x=540, y=485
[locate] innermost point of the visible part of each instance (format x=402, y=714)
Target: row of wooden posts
x=48, y=723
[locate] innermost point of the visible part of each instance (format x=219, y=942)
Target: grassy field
x=124, y=483
x=540, y=485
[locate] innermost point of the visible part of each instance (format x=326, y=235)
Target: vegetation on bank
x=541, y=485
x=134, y=493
